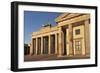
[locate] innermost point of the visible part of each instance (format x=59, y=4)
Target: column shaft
x=56, y=44
x=31, y=47
x=41, y=45
x=70, y=40
x=36, y=46
x=87, y=37
x=49, y=46
x=61, y=43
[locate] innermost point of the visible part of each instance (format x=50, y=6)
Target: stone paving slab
x=52, y=57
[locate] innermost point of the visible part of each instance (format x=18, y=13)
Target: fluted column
x=56, y=44
x=31, y=47
x=49, y=48
x=70, y=40
x=61, y=42
x=36, y=46
x=41, y=45
x=87, y=37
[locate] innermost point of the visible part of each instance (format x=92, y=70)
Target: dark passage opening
x=52, y=44
x=45, y=45
x=64, y=33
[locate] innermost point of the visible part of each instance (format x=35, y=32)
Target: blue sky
x=34, y=20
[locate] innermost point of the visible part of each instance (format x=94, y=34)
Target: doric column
x=61, y=42
x=70, y=40
x=36, y=45
x=41, y=45
x=56, y=44
x=49, y=46
x=87, y=37
x=31, y=47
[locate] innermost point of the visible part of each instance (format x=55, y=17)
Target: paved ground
x=51, y=57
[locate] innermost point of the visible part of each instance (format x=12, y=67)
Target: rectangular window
x=77, y=31
x=77, y=45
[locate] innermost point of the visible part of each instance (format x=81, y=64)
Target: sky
x=33, y=21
